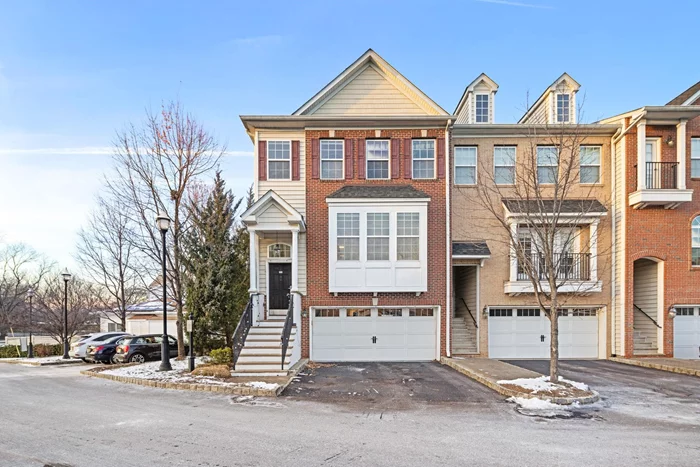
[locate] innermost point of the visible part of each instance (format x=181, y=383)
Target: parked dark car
x=138, y=349
x=104, y=352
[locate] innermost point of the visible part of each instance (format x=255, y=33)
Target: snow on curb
x=41, y=361
x=536, y=389
x=542, y=384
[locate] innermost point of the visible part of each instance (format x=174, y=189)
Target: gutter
x=448, y=244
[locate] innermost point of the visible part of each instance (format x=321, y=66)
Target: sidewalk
x=489, y=372
x=673, y=365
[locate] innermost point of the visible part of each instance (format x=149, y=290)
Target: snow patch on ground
x=543, y=408
x=542, y=384
x=51, y=359
x=180, y=374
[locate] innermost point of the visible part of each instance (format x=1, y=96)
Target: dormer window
x=563, y=108
x=482, y=108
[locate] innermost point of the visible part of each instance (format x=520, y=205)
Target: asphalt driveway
x=631, y=390
x=397, y=386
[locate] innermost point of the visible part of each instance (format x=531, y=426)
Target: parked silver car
x=79, y=349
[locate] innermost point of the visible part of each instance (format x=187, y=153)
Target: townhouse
x=369, y=242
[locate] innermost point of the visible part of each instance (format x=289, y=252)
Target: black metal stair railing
x=287, y=329
x=241, y=332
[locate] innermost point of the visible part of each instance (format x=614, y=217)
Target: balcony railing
x=567, y=266
x=661, y=176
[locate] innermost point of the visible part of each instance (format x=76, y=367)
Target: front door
x=280, y=283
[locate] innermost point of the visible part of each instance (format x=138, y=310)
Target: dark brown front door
x=280, y=282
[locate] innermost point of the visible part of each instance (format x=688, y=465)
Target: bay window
x=378, y=236
x=407, y=232
x=348, y=228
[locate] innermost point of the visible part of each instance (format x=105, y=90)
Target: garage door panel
x=686, y=333
x=350, y=338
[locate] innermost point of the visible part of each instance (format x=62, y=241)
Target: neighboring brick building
x=657, y=218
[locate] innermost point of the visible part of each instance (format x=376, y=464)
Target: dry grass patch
x=210, y=369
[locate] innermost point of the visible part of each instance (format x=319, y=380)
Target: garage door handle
x=542, y=338
x=374, y=339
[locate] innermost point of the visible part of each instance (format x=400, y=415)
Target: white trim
x=295, y=219
x=435, y=159
x=580, y=287
x=694, y=158
x=475, y=166
x=321, y=160
x=384, y=201
x=641, y=154
x=556, y=107
x=256, y=175
x=471, y=257
x=388, y=159
x=253, y=254
x=488, y=106
x=599, y=165
x=692, y=99
x=514, y=166
x=448, y=250
x=537, y=161
x=681, y=154
x=267, y=161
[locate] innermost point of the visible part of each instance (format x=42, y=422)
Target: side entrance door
x=280, y=282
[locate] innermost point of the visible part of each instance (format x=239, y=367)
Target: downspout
x=613, y=308
x=448, y=243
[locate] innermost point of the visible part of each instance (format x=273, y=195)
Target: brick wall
x=317, y=233
x=663, y=235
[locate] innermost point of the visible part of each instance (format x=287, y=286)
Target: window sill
x=465, y=184
x=592, y=184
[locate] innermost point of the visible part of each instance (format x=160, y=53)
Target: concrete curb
x=656, y=366
x=54, y=363
x=236, y=390
x=595, y=397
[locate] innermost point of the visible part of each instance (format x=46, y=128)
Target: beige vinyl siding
x=272, y=215
x=263, y=245
x=293, y=192
x=646, y=296
x=540, y=113
x=464, y=115
x=465, y=288
x=618, y=274
x=369, y=93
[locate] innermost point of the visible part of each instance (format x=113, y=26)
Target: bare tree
x=157, y=164
x=538, y=218
x=21, y=268
x=84, y=306
x=109, y=257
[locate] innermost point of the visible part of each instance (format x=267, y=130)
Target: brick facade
x=317, y=231
x=662, y=235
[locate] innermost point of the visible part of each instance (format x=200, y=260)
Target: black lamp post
x=163, y=223
x=190, y=330
x=30, y=295
x=66, y=278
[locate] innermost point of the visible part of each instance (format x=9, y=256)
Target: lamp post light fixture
x=66, y=278
x=163, y=224
x=30, y=351
x=190, y=330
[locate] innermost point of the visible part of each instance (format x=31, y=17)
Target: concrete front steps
x=463, y=337
x=645, y=345
x=262, y=352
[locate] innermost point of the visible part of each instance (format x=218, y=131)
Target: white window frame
x=475, y=166
x=495, y=166
x=289, y=160
x=693, y=245
x=413, y=159
x=556, y=175
x=388, y=159
x=387, y=236
x=599, y=165
x=358, y=237
x=694, y=156
x=398, y=236
x=476, y=107
x=341, y=160
x=655, y=150
x=556, y=108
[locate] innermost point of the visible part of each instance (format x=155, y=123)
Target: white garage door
x=373, y=334
x=524, y=333
x=686, y=333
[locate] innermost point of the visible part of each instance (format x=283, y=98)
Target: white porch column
x=593, y=247
x=294, y=292
x=641, y=154
x=253, y=262
x=513, y=253
x=681, y=154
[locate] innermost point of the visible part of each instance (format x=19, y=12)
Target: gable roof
x=540, y=100
x=470, y=87
x=378, y=191
x=687, y=97
x=371, y=59
x=264, y=202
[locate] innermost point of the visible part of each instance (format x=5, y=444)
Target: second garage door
x=686, y=333
x=373, y=334
x=524, y=333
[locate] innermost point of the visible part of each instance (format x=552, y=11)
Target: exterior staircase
x=463, y=336
x=262, y=352
x=645, y=334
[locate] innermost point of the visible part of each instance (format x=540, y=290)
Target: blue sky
x=71, y=72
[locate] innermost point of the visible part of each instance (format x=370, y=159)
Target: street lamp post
x=163, y=223
x=30, y=295
x=66, y=278
x=190, y=330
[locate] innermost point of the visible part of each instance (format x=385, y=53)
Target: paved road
x=628, y=390
x=54, y=416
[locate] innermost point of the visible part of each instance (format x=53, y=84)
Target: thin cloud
x=516, y=4
x=239, y=153
x=87, y=150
